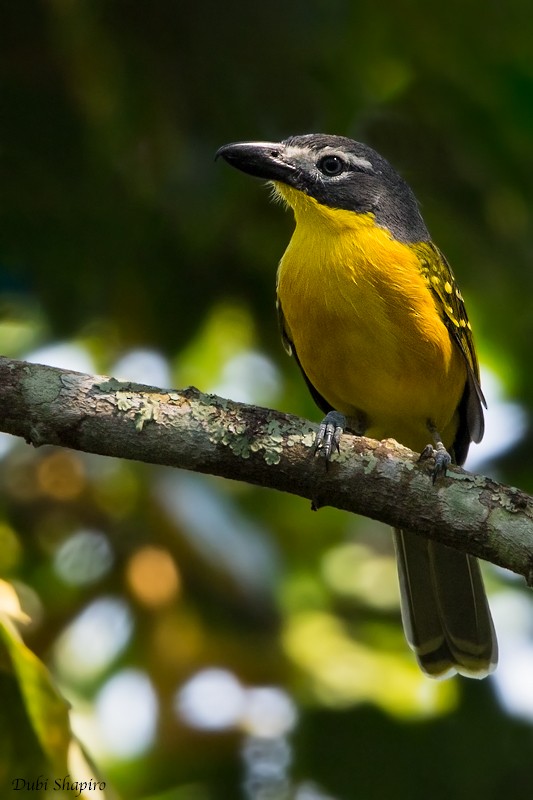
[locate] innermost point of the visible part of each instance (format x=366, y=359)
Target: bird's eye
x=331, y=165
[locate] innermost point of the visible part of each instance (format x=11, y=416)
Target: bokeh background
x=216, y=640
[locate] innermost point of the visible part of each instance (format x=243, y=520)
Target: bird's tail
x=445, y=613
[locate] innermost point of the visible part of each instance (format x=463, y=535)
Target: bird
x=370, y=310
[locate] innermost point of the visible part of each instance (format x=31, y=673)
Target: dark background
x=120, y=238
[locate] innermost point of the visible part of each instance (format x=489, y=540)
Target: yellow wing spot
x=435, y=280
x=448, y=287
x=462, y=323
x=468, y=325
x=451, y=315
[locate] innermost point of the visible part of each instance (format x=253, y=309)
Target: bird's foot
x=441, y=456
x=328, y=436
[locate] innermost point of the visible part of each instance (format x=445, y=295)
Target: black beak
x=260, y=159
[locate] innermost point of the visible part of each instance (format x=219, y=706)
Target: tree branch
x=205, y=433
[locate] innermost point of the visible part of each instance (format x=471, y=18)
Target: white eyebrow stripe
x=357, y=161
x=295, y=151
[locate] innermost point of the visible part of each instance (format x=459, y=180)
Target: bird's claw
x=328, y=436
x=442, y=459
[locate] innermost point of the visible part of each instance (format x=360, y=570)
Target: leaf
x=47, y=710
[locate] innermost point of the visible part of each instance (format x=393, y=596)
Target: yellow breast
x=365, y=325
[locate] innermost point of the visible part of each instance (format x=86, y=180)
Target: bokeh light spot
x=94, y=639
x=126, y=712
x=513, y=619
x=355, y=570
x=249, y=377
x=344, y=671
x=153, y=576
x=83, y=558
x=269, y=712
x=212, y=700
x=63, y=355
x=143, y=366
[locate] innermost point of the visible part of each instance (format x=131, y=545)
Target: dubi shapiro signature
x=65, y=784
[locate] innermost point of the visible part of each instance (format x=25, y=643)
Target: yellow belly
x=366, y=329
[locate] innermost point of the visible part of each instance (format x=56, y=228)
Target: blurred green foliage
x=118, y=231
